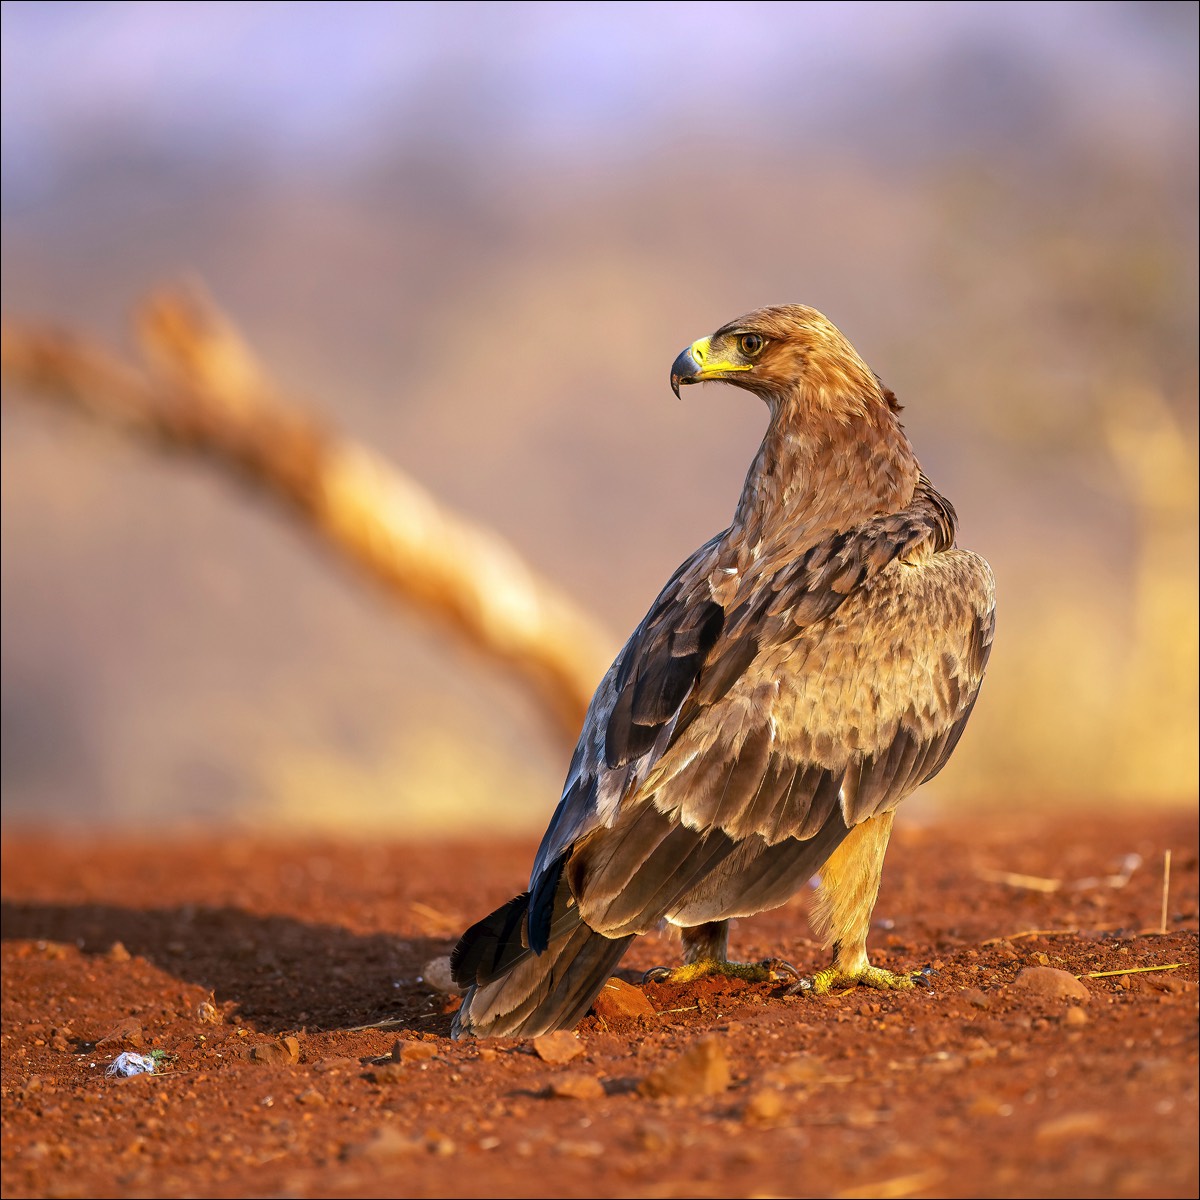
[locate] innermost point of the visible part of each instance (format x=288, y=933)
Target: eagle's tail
x=511, y=991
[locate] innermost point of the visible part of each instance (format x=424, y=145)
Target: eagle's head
x=785, y=353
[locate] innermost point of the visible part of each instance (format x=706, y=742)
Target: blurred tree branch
x=199, y=389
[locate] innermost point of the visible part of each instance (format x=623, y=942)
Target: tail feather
x=513, y=992
x=491, y=947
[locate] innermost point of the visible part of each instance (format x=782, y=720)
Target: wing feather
x=809, y=697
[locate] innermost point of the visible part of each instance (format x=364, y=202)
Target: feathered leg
x=706, y=943
x=842, y=912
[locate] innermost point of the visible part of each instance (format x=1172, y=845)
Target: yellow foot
x=769, y=970
x=826, y=981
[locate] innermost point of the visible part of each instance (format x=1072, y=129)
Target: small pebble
x=763, y=1106
x=406, y=1052
x=559, y=1047
x=798, y=1068
x=386, y=1072
x=281, y=1052
x=436, y=973
x=576, y=1085
x=124, y=1033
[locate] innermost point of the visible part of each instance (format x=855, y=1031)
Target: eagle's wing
x=748, y=723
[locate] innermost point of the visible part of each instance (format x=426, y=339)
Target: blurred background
x=474, y=237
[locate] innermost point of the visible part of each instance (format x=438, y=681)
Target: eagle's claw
x=824, y=982
x=767, y=970
x=778, y=968
x=657, y=975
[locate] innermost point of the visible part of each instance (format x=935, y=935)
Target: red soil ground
x=249, y=963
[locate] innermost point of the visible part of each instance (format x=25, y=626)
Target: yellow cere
x=700, y=352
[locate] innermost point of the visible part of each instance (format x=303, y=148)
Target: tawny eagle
x=796, y=678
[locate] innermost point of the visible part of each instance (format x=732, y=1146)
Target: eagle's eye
x=751, y=344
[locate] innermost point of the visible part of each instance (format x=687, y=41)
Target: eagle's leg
x=705, y=943
x=706, y=952
x=842, y=913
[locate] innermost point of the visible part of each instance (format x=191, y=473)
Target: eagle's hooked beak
x=696, y=364
x=686, y=368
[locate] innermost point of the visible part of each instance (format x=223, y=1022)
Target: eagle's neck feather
x=819, y=472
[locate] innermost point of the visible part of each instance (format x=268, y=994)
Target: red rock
x=621, y=1001
x=559, y=1047
x=576, y=1085
x=702, y=1070
x=406, y=1051
x=1051, y=984
x=124, y=1033
x=282, y=1052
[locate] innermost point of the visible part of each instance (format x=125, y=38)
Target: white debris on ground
x=128, y=1063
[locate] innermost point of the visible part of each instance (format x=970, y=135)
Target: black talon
x=778, y=967
x=657, y=975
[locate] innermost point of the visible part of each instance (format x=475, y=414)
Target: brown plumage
x=798, y=676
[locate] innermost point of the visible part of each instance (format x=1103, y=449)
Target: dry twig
x=200, y=390
x=895, y=1188
x=1033, y=883
x=1129, y=971
x=1166, y=890
x=1028, y=933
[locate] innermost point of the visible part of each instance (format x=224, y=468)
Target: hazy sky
x=298, y=83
